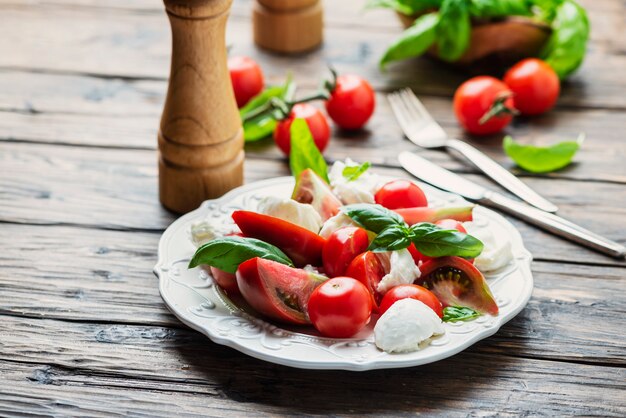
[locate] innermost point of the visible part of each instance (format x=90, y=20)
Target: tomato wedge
x=368, y=269
x=276, y=290
x=456, y=282
x=424, y=214
x=301, y=245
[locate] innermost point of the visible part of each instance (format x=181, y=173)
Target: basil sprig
x=353, y=172
x=304, y=153
x=394, y=234
x=228, y=253
x=459, y=313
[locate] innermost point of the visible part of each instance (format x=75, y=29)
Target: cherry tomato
x=352, y=102
x=474, y=98
x=534, y=84
x=399, y=194
x=417, y=256
x=412, y=291
x=340, y=307
x=368, y=269
x=451, y=224
x=246, y=77
x=313, y=117
x=341, y=247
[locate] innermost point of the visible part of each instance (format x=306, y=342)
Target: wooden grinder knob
x=201, y=138
x=288, y=26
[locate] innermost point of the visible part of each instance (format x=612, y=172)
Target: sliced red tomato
x=422, y=214
x=301, y=245
x=417, y=256
x=400, y=194
x=451, y=224
x=340, y=307
x=277, y=290
x=456, y=282
x=341, y=247
x=225, y=280
x=412, y=291
x=368, y=269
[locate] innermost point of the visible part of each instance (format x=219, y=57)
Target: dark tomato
x=417, y=256
x=451, y=224
x=246, y=77
x=352, y=102
x=534, y=84
x=474, y=98
x=314, y=118
x=456, y=282
x=412, y=291
x=340, y=307
x=399, y=194
x=341, y=247
x=277, y=290
x=368, y=269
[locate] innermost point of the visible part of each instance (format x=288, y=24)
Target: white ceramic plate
x=192, y=297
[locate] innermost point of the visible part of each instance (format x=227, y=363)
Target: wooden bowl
x=496, y=45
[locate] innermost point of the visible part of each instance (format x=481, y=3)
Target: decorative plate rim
x=522, y=260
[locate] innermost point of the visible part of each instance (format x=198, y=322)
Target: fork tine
x=414, y=103
x=399, y=110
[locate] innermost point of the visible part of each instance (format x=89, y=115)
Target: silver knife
x=449, y=181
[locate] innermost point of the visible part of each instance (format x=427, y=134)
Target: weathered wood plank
x=107, y=44
x=117, y=189
x=114, y=113
x=74, y=358
x=107, y=276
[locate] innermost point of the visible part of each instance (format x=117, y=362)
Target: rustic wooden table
x=83, y=329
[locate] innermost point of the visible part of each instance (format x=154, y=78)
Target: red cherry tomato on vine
x=474, y=98
x=340, y=307
x=412, y=291
x=451, y=224
x=314, y=118
x=352, y=102
x=246, y=77
x=399, y=194
x=341, y=247
x=534, y=84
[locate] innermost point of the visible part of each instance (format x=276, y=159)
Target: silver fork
x=421, y=129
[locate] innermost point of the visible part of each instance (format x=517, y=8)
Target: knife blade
x=452, y=182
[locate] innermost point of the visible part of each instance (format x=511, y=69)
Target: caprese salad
x=349, y=247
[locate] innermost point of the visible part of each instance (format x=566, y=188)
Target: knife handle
x=500, y=175
x=555, y=224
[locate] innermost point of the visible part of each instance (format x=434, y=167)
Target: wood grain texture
x=106, y=45
x=83, y=331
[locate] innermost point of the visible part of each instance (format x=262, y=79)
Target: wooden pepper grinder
x=288, y=26
x=201, y=137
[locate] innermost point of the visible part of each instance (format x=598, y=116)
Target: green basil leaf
x=453, y=30
x=499, y=8
x=459, y=313
x=374, y=218
x=304, y=154
x=228, y=252
x=406, y=7
x=394, y=237
x=414, y=41
x=565, y=49
x=353, y=172
x=263, y=125
x=541, y=159
x=433, y=241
